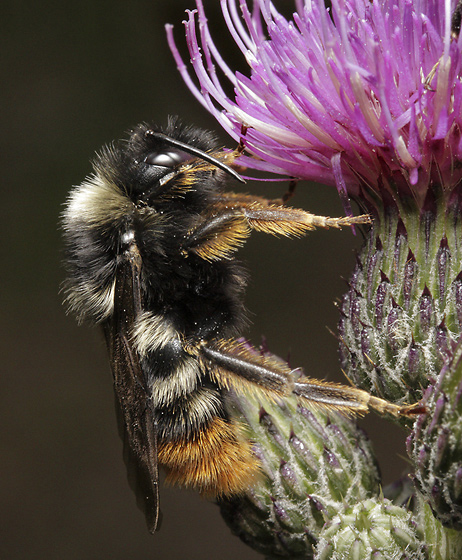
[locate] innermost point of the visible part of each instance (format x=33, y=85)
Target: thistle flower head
x=365, y=95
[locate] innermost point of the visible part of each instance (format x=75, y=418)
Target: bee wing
x=134, y=407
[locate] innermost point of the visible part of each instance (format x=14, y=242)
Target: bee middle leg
x=274, y=217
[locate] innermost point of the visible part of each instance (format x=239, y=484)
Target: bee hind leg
x=239, y=366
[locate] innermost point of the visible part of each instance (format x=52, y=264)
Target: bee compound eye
x=166, y=159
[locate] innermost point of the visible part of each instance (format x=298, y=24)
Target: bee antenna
x=195, y=152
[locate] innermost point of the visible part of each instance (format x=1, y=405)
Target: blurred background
x=77, y=75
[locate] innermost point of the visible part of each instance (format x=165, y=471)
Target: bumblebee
x=150, y=241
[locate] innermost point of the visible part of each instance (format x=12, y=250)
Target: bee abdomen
x=218, y=461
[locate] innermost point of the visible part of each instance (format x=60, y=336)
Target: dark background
x=76, y=75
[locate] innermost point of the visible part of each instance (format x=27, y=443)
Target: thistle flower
x=367, y=97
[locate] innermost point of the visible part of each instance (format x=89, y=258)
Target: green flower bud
x=402, y=314
x=436, y=445
x=442, y=543
x=313, y=464
x=374, y=529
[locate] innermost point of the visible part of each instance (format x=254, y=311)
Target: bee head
x=153, y=161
